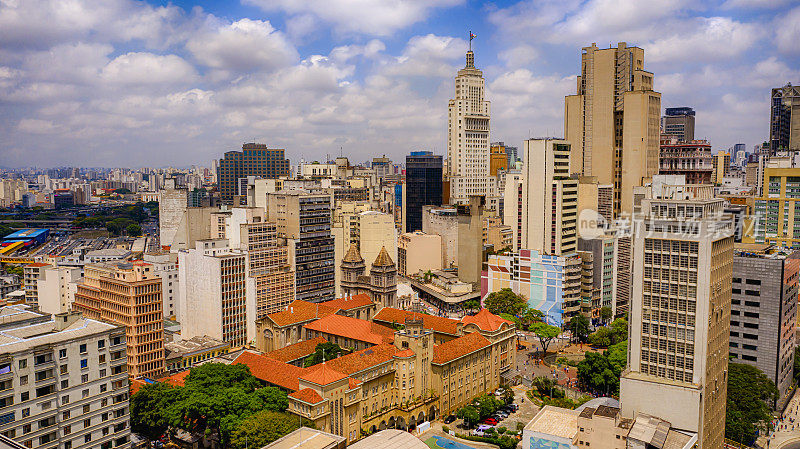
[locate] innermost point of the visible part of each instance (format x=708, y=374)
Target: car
x=481, y=430
x=490, y=421
x=450, y=419
x=499, y=392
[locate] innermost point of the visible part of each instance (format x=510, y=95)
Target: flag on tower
x=472, y=36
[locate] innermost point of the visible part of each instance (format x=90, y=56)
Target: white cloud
x=755, y=4
x=787, y=31
x=375, y=17
x=712, y=38
x=147, y=68
x=429, y=56
x=242, y=46
x=519, y=56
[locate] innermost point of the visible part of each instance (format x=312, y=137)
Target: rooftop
x=307, y=438
x=437, y=324
x=556, y=421
x=349, y=302
x=196, y=344
x=296, y=351
x=353, y=328
x=306, y=395
x=322, y=374
x=364, y=359
x=299, y=311
x=485, y=320
x=27, y=336
x=271, y=371
x=459, y=347
x=390, y=439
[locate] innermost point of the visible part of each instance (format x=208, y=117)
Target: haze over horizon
x=130, y=83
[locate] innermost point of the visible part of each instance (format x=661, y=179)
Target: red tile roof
x=352, y=383
x=363, y=359
x=38, y=265
x=350, y=303
x=485, y=320
x=300, y=311
x=322, y=374
x=405, y=353
x=271, y=371
x=461, y=346
x=307, y=395
x=353, y=328
x=436, y=323
x=177, y=379
x=296, y=351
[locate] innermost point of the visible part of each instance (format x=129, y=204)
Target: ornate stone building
x=380, y=285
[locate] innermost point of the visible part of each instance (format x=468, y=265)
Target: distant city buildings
x=254, y=160
x=423, y=186
x=678, y=123
x=692, y=159
x=784, y=123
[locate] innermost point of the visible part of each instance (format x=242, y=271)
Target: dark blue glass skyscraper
x=423, y=186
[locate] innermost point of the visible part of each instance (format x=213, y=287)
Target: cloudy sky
x=129, y=83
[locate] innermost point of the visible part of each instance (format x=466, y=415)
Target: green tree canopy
x=797, y=364
x=469, y=414
x=579, y=325
x=133, y=230
x=487, y=404
x=328, y=350
x=214, y=400
x=505, y=301
x=620, y=328
x=605, y=313
x=533, y=316
x=751, y=395
x=596, y=373
x=471, y=305
x=603, y=336
x=545, y=333
x=517, y=322
x=263, y=428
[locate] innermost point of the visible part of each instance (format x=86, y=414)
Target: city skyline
x=129, y=83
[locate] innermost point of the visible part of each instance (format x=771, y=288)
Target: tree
x=469, y=414
x=603, y=336
x=545, y=333
x=605, y=313
x=471, y=305
x=5, y=230
x=579, y=325
x=149, y=409
x=122, y=191
x=517, y=322
x=487, y=404
x=263, y=428
x=532, y=316
x=327, y=350
x=133, y=230
x=508, y=395
x=751, y=395
x=620, y=328
x=797, y=364
x=505, y=301
x=596, y=373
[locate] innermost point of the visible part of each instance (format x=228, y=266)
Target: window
x=87, y=422
x=85, y=393
x=63, y=369
x=24, y=396
x=84, y=363
x=23, y=364
x=86, y=408
x=65, y=415
x=62, y=353
x=101, y=344
x=23, y=380
x=65, y=399
x=87, y=438
x=67, y=430
x=102, y=358
x=84, y=378
x=68, y=445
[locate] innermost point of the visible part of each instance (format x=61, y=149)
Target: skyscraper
x=680, y=312
x=255, y=159
x=784, y=123
x=549, y=198
x=613, y=121
x=468, y=136
x=423, y=186
x=678, y=122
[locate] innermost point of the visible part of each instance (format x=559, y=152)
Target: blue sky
x=130, y=83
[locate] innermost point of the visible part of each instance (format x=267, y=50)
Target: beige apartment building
x=680, y=312
x=776, y=210
x=268, y=265
x=417, y=251
x=549, y=198
x=613, y=121
x=127, y=294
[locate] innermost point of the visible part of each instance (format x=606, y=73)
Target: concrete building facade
x=613, y=121
x=56, y=288
x=417, y=251
x=172, y=204
x=443, y=222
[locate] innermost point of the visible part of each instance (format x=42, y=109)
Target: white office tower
x=680, y=311
x=64, y=381
x=468, y=137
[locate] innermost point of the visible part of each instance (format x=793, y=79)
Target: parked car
x=499, y=392
x=490, y=421
x=450, y=419
x=481, y=430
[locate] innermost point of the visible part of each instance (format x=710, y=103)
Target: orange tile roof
x=405, y=353
x=296, y=351
x=307, y=395
x=137, y=385
x=352, y=383
x=38, y=265
x=300, y=311
x=363, y=359
x=461, y=346
x=353, y=328
x=352, y=302
x=485, y=320
x=435, y=323
x=322, y=374
x=177, y=379
x=271, y=371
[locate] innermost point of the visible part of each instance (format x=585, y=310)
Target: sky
x=124, y=83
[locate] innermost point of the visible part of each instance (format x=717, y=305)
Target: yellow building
x=721, y=163
x=127, y=294
x=417, y=251
x=498, y=159
x=613, y=122
x=184, y=354
x=777, y=211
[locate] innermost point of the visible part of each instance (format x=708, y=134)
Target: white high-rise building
x=468, y=137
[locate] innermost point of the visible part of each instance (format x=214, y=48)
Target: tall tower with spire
x=468, y=135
